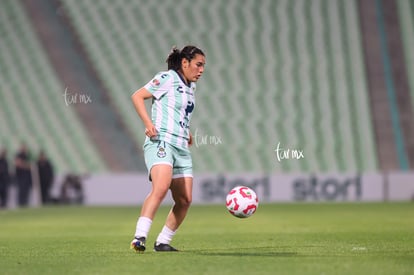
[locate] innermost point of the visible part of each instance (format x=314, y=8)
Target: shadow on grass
x=244, y=252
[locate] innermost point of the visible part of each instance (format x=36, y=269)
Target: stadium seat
x=406, y=12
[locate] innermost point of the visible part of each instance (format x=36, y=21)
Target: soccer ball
x=242, y=202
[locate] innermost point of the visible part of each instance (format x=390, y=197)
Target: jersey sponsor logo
x=185, y=123
x=189, y=109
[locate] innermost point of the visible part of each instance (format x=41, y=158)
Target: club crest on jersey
x=161, y=152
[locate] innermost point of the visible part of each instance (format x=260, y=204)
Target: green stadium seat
x=406, y=11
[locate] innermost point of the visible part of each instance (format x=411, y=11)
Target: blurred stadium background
x=333, y=79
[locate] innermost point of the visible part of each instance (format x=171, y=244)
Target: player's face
x=194, y=69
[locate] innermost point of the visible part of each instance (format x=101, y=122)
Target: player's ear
x=185, y=63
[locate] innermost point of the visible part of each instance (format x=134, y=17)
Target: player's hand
x=151, y=131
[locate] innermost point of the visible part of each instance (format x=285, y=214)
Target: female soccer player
x=167, y=156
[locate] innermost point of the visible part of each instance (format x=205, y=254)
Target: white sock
x=166, y=235
x=143, y=227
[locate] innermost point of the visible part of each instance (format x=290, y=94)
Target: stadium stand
x=406, y=12
x=32, y=106
x=105, y=128
x=288, y=72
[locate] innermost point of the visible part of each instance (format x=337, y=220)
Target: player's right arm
x=138, y=100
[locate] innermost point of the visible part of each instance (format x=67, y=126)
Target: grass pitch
x=278, y=239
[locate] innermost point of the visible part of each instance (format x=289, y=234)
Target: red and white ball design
x=242, y=202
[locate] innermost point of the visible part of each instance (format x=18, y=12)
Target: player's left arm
x=190, y=139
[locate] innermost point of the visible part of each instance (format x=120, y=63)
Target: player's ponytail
x=174, y=59
x=175, y=56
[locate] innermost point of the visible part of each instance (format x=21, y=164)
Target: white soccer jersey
x=172, y=106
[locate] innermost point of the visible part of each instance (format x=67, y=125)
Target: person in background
x=23, y=175
x=4, y=179
x=46, y=176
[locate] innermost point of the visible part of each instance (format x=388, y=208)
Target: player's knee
x=158, y=195
x=184, y=202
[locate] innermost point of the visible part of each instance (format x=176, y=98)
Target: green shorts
x=161, y=152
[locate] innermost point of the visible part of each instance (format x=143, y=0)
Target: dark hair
x=175, y=56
